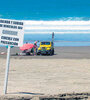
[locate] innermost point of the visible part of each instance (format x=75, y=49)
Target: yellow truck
x=46, y=48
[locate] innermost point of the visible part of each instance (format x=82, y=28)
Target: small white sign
x=11, y=32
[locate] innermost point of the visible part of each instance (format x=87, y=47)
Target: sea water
x=63, y=12
x=60, y=39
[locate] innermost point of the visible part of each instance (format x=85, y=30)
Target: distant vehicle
x=46, y=48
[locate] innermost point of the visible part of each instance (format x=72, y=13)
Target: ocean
x=68, y=19
x=70, y=32
x=44, y=9
x=67, y=33
x=60, y=39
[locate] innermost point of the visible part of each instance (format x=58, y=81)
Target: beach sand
x=67, y=71
x=60, y=53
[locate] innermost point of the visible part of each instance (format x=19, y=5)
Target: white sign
x=11, y=32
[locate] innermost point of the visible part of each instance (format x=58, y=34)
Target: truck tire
x=38, y=53
x=53, y=52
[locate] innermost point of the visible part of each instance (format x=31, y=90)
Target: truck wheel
x=38, y=53
x=53, y=52
x=50, y=53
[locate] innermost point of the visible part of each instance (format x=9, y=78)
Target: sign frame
x=11, y=34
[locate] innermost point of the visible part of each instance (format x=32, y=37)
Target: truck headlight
x=48, y=48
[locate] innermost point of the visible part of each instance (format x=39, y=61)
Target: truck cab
x=46, y=47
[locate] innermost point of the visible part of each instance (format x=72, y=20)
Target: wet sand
x=60, y=53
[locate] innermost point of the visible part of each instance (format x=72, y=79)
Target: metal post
x=7, y=70
x=53, y=38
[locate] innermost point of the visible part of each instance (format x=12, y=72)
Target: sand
x=60, y=53
x=48, y=75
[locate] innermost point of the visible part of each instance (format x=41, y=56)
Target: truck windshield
x=45, y=43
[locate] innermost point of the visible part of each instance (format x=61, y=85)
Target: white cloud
x=57, y=22
x=57, y=26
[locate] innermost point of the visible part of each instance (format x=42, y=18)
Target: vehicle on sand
x=46, y=48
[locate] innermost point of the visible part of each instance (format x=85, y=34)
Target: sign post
x=11, y=34
x=7, y=70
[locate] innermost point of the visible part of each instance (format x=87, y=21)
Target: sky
x=44, y=9
x=46, y=16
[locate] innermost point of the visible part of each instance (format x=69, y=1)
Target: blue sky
x=44, y=9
